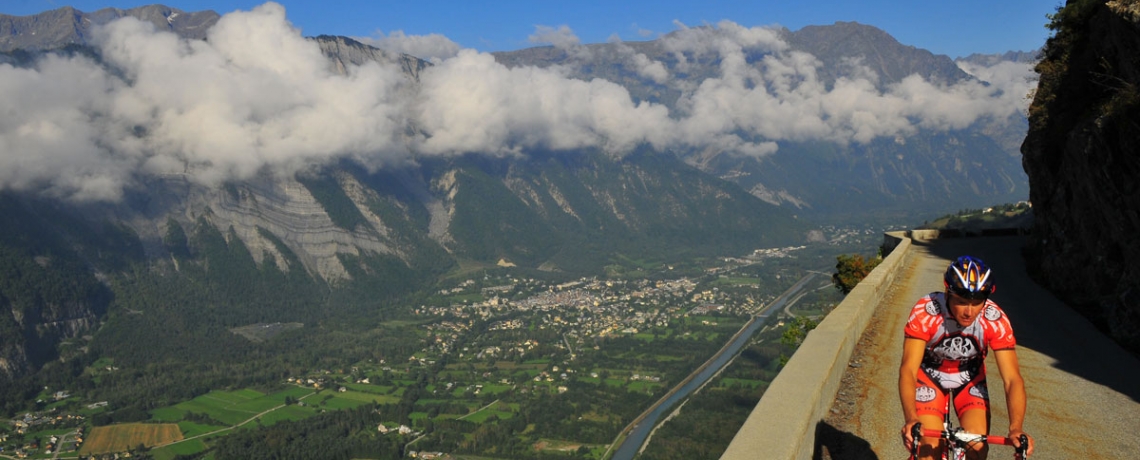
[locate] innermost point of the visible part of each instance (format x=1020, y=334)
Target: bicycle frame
x=958, y=440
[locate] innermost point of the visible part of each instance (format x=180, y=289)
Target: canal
x=630, y=446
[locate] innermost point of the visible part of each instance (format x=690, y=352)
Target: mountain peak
x=67, y=25
x=878, y=50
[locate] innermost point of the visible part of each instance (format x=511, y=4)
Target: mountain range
x=355, y=233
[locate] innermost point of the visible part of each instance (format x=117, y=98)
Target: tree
x=795, y=334
x=850, y=270
x=797, y=330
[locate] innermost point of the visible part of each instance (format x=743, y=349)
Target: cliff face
x=280, y=206
x=67, y=25
x=344, y=51
x=1082, y=160
x=48, y=290
x=42, y=328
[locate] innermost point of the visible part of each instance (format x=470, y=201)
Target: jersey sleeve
x=921, y=324
x=999, y=333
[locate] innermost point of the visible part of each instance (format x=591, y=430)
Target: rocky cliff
x=344, y=51
x=1082, y=160
x=279, y=206
x=67, y=25
x=50, y=282
x=927, y=171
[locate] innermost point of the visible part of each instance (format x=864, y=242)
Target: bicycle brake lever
x=915, y=439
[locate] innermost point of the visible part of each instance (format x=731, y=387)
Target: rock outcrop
x=1082, y=155
x=346, y=52
x=67, y=25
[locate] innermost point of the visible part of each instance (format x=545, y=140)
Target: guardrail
x=783, y=424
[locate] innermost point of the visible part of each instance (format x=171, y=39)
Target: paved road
x=1084, y=390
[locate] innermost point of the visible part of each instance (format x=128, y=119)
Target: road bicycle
x=958, y=441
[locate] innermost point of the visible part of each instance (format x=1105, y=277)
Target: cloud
x=561, y=38
x=473, y=104
x=782, y=97
x=643, y=65
x=1014, y=81
x=643, y=33
x=257, y=97
x=431, y=47
x=648, y=68
x=49, y=138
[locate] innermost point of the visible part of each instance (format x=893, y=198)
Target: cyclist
x=947, y=338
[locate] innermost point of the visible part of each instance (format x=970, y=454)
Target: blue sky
x=955, y=28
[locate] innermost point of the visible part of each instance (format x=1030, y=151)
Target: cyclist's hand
x=908, y=440
x=1015, y=436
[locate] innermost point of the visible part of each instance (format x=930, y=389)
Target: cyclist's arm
x=1015, y=396
x=913, y=351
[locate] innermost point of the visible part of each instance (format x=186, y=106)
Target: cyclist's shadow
x=835, y=444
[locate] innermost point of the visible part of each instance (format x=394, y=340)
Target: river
x=637, y=436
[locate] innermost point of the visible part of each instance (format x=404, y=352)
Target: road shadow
x=835, y=444
x=1040, y=321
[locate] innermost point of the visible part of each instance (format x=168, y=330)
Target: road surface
x=1084, y=390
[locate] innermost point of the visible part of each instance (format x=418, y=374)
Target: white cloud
x=431, y=47
x=50, y=137
x=642, y=64
x=643, y=33
x=256, y=96
x=1014, y=81
x=782, y=98
x=648, y=68
x=562, y=37
x=473, y=104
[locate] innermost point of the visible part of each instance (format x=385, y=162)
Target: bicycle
x=959, y=441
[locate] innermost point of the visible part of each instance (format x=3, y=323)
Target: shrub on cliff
x=850, y=270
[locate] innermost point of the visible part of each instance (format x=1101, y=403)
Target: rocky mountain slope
x=1081, y=157
x=365, y=237
x=351, y=235
x=928, y=170
x=69, y=26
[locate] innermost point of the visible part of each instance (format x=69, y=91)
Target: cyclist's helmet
x=970, y=278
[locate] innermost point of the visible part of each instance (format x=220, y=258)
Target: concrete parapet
x=924, y=235
x=783, y=424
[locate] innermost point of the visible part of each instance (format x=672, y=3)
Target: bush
x=850, y=270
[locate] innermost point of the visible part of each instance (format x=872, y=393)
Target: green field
x=369, y=388
x=190, y=429
x=228, y=407
x=295, y=392
x=642, y=386
x=292, y=412
x=190, y=447
x=343, y=403
x=499, y=409
x=483, y=415
x=357, y=398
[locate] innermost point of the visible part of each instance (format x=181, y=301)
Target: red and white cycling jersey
x=954, y=354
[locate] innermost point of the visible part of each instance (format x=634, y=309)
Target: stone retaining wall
x=783, y=424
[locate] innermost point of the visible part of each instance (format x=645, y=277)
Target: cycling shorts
x=931, y=398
